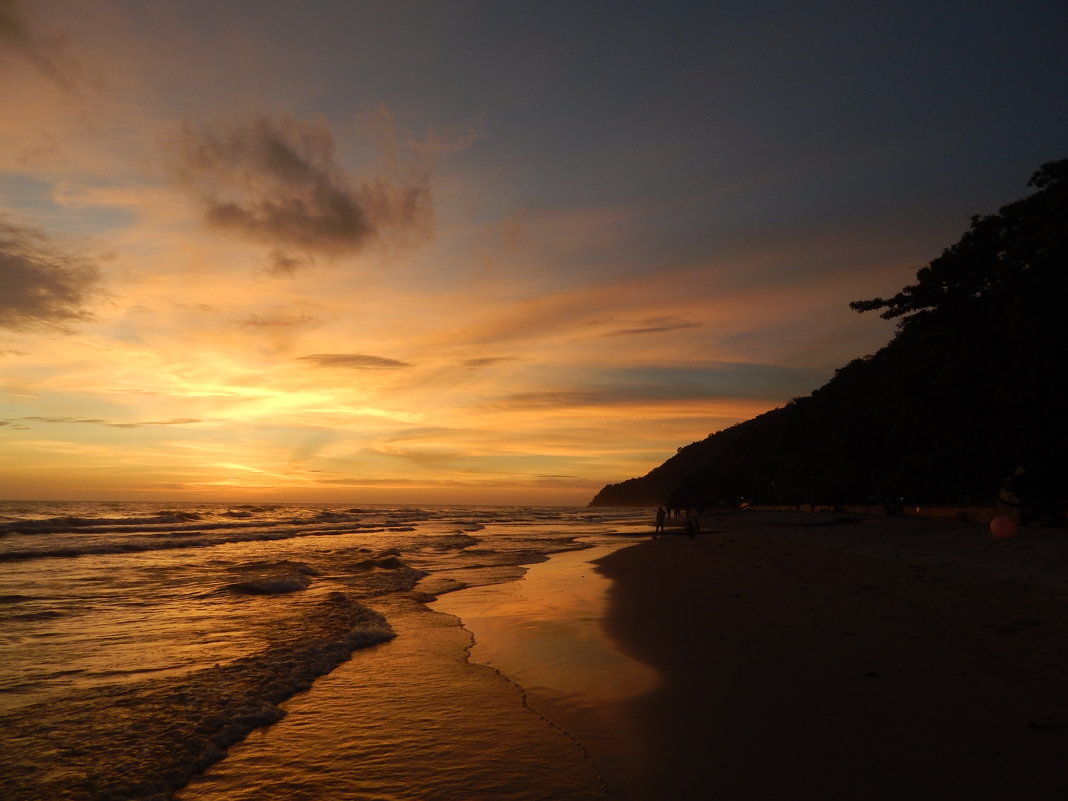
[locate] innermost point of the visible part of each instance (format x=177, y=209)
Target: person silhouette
x=693, y=527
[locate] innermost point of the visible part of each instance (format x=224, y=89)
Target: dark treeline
x=969, y=394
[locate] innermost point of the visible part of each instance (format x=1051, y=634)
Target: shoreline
x=545, y=634
x=843, y=658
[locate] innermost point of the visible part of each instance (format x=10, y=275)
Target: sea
x=200, y=651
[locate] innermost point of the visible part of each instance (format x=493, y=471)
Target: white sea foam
x=173, y=728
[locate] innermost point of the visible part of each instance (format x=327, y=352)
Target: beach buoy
x=1004, y=526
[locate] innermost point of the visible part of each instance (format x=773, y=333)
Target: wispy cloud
x=278, y=321
x=653, y=325
x=423, y=456
x=356, y=361
x=276, y=181
x=100, y=421
x=655, y=385
x=487, y=361
x=42, y=283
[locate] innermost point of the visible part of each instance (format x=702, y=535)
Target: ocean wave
x=198, y=536
x=67, y=552
x=446, y=543
x=433, y=586
x=272, y=585
x=283, y=564
x=150, y=738
x=467, y=525
x=179, y=520
x=176, y=515
x=52, y=525
x=195, y=537
x=388, y=559
x=381, y=574
x=273, y=578
x=45, y=614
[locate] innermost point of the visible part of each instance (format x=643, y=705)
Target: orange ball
x=1004, y=526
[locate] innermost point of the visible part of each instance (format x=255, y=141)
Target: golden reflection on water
x=408, y=719
x=415, y=718
x=546, y=634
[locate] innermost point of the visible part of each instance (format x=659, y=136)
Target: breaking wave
x=174, y=728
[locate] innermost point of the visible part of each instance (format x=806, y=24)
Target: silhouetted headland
x=962, y=407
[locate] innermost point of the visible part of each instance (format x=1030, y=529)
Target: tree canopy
x=996, y=255
x=967, y=393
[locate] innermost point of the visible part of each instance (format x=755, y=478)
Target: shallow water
x=545, y=633
x=163, y=636
x=524, y=701
x=410, y=719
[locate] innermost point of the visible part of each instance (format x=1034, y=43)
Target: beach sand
x=546, y=634
x=823, y=656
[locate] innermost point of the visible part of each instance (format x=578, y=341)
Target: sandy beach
x=775, y=655
x=824, y=656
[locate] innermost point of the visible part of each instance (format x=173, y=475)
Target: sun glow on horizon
x=371, y=262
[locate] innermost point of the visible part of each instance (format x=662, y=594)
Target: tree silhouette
x=1013, y=251
x=967, y=393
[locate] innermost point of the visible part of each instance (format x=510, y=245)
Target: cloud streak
x=354, y=361
x=101, y=422
x=655, y=325
x=42, y=284
x=487, y=361
x=276, y=181
x=644, y=386
x=278, y=322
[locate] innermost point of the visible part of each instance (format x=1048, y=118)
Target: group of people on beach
x=693, y=524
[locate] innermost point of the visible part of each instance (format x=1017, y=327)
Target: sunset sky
x=480, y=251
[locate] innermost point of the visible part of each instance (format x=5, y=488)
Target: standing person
x=661, y=514
x=693, y=526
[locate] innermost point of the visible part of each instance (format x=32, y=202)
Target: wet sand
x=546, y=634
x=820, y=656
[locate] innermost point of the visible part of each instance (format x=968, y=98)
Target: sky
x=471, y=251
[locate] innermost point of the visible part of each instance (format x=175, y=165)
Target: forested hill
x=970, y=390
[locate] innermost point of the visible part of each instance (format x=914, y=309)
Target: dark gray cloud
x=275, y=181
x=14, y=27
x=46, y=51
x=282, y=262
x=40, y=283
x=356, y=361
